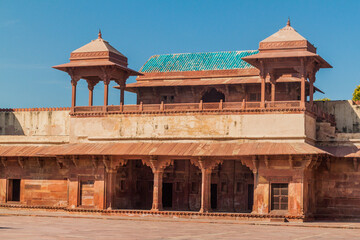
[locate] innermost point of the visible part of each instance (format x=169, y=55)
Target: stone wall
x=35, y=123
x=34, y=127
x=193, y=126
x=347, y=114
x=337, y=187
x=45, y=183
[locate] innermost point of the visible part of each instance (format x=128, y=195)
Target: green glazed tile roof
x=182, y=62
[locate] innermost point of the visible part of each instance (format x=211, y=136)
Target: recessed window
x=279, y=196
x=14, y=190
x=167, y=98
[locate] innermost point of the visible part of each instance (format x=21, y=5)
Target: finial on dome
x=288, y=22
x=99, y=34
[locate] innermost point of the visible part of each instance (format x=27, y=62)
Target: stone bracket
x=75, y=160
x=266, y=161
x=21, y=161
x=94, y=161
x=312, y=162
x=40, y=162
x=157, y=164
x=112, y=164
x=255, y=162
x=60, y=161
x=356, y=164
x=3, y=161
x=206, y=163
x=291, y=162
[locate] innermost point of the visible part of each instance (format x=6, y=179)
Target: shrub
x=356, y=94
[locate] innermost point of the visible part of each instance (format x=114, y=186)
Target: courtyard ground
x=27, y=224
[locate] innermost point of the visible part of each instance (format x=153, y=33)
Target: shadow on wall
x=9, y=124
x=347, y=114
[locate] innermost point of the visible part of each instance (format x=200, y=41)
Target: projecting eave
x=83, y=64
x=255, y=59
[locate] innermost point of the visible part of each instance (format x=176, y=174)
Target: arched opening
x=212, y=95
x=134, y=186
x=232, y=187
x=181, y=190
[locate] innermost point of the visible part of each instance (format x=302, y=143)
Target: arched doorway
x=212, y=95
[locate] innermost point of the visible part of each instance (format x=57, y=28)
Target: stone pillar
x=157, y=193
x=205, y=190
x=111, y=166
x=312, y=80
x=303, y=97
x=262, y=104
x=157, y=166
x=91, y=88
x=122, y=94
x=303, y=86
x=273, y=85
x=106, y=93
x=73, y=94
x=110, y=188
x=206, y=166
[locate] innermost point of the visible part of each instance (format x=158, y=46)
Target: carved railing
x=180, y=107
x=191, y=107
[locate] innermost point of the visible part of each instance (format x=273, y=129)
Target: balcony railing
x=204, y=107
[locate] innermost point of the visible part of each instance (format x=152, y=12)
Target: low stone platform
x=171, y=214
x=50, y=224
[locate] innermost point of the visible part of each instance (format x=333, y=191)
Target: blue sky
x=36, y=35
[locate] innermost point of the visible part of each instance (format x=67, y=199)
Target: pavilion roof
x=97, y=45
x=183, y=62
x=287, y=33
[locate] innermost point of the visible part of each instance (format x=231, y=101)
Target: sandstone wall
x=346, y=114
x=193, y=126
x=34, y=127
x=338, y=189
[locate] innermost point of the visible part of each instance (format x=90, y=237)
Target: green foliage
x=323, y=99
x=356, y=94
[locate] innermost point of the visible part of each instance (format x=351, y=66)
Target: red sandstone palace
x=234, y=134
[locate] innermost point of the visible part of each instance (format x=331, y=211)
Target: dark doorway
x=279, y=196
x=250, y=196
x=14, y=190
x=213, y=96
x=213, y=196
x=167, y=195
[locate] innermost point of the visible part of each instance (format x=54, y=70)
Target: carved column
x=91, y=89
x=157, y=194
x=206, y=166
x=122, y=93
x=106, y=92
x=312, y=80
x=157, y=166
x=303, y=80
x=111, y=167
x=273, y=85
x=262, y=77
x=74, y=80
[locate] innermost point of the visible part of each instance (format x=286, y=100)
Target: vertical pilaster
x=110, y=191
